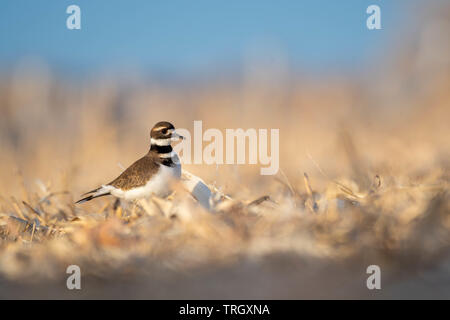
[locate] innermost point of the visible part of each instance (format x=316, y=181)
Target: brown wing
x=137, y=174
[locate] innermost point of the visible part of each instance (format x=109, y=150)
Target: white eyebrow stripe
x=161, y=142
x=160, y=128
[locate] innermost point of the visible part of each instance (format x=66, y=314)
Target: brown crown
x=161, y=130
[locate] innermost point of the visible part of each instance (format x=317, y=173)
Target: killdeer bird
x=150, y=175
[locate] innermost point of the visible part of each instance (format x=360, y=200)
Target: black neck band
x=161, y=149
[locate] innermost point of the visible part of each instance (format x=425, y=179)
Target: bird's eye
x=164, y=131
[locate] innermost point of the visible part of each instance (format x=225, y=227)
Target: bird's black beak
x=176, y=136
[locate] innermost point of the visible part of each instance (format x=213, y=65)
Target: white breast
x=158, y=185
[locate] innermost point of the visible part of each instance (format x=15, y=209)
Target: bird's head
x=163, y=133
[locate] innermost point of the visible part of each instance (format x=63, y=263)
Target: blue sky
x=185, y=36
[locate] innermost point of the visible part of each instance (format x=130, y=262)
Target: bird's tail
x=95, y=194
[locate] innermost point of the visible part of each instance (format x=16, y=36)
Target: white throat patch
x=161, y=142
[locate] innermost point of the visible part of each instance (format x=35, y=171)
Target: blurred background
x=308, y=68
x=350, y=103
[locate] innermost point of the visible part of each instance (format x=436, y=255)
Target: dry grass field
x=364, y=179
